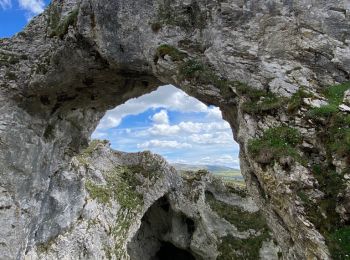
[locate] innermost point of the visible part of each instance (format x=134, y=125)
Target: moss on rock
x=275, y=143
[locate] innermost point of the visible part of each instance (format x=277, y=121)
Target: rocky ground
x=135, y=206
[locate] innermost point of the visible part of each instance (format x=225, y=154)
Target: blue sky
x=15, y=14
x=166, y=121
x=173, y=124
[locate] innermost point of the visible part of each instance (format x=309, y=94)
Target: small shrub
x=296, y=101
x=166, y=49
x=62, y=28
x=339, y=243
x=242, y=220
x=322, y=112
x=335, y=93
x=274, y=144
x=264, y=104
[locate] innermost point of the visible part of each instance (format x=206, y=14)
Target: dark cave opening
x=168, y=251
x=164, y=234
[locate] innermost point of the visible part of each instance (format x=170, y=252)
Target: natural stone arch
x=80, y=58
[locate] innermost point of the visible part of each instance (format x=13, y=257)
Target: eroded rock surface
x=136, y=206
x=267, y=64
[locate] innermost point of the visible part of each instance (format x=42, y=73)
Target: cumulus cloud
x=168, y=97
x=163, y=144
x=33, y=7
x=216, y=138
x=5, y=4
x=161, y=117
x=185, y=128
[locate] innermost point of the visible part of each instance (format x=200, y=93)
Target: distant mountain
x=211, y=168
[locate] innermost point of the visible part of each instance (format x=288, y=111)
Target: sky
x=15, y=14
x=173, y=124
x=167, y=121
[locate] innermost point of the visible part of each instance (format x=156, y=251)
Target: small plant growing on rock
x=171, y=51
x=275, y=143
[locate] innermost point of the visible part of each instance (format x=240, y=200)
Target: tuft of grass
x=236, y=248
x=242, y=220
x=266, y=103
x=335, y=93
x=275, y=143
x=323, y=213
x=339, y=243
x=101, y=193
x=335, y=130
x=166, y=49
x=62, y=27
x=296, y=101
x=121, y=183
x=322, y=112
x=259, y=100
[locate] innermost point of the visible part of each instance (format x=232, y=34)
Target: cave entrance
x=168, y=251
x=189, y=134
x=163, y=235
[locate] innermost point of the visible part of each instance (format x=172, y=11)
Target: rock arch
x=80, y=58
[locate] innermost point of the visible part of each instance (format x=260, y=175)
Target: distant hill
x=225, y=172
x=211, y=168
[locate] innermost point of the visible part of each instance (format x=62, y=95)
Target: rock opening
x=168, y=251
x=164, y=234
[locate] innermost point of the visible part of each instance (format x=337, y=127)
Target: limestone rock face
x=136, y=206
x=266, y=64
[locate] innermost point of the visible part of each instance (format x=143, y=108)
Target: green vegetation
x=237, y=248
x=322, y=112
x=87, y=152
x=62, y=26
x=296, y=101
x=236, y=216
x=323, y=213
x=259, y=101
x=339, y=243
x=275, y=143
x=335, y=125
x=121, y=185
x=166, y=49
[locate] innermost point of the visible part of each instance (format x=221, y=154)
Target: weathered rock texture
x=129, y=206
x=266, y=64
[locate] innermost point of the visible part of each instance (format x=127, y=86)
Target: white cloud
x=224, y=159
x=185, y=128
x=163, y=144
x=33, y=7
x=216, y=138
x=168, y=97
x=161, y=117
x=5, y=4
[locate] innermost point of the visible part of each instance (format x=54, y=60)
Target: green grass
x=323, y=214
x=334, y=130
x=242, y=220
x=61, y=28
x=339, y=242
x=121, y=183
x=232, y=248
x=296, y=101
x=171, y=51
x=275, y=143
x=259, y=100
x=236, y=248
